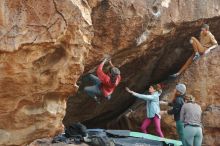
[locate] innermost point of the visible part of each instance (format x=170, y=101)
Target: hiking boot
x=175, y=75
x=196, y=57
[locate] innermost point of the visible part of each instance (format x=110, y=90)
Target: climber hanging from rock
x=152, y=106
x=104, y=84
x=205, y=45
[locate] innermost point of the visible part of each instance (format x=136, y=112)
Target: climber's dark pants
x=197, y=46
x=93, y=90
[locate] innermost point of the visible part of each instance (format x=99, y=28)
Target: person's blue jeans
x=193, y=136
x=179, y=130
x=94, y=90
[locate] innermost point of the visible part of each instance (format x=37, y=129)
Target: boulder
x=43, y=46
x=47, y=47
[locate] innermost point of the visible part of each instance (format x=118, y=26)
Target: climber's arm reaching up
x=101, y=75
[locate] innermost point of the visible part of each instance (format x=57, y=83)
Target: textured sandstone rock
x=43, y=47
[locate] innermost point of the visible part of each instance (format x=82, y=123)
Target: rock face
x=43, y=46
x=203, y=81
x=47, y=45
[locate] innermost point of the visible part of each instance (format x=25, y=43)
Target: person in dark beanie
x=190, y=115
x=104, y=83
x=152, y=107
x=206, y=43
x=176, y=105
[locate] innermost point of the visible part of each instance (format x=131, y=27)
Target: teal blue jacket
x=153, y=105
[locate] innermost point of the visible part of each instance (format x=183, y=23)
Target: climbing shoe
x=196, y=57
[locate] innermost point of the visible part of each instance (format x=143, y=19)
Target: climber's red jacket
x=107, y=87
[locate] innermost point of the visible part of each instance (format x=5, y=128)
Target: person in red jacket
x=104, y=83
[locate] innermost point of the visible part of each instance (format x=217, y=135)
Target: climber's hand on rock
x=206, y=52
x=209, y=49
x=104, y=61
x=110, y=62
x=107, y=57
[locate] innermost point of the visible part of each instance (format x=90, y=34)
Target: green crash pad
x=128, y=133
x=152, y=137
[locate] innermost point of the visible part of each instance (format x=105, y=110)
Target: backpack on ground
x=76, y=131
